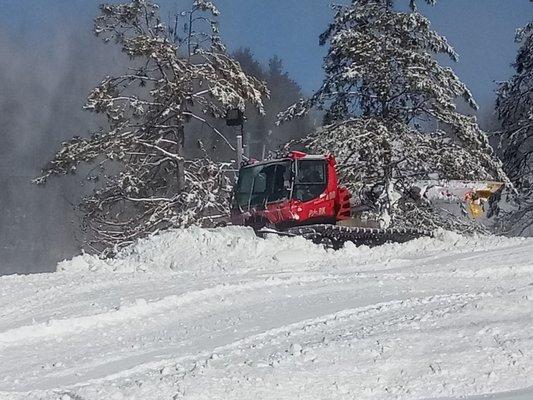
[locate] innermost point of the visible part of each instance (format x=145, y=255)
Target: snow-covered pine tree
x=383, y=94
x=514, y=107
x=145, y=182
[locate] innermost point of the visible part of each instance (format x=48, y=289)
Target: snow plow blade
x=336, y=236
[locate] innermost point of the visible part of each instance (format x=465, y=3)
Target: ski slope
x=222, y=314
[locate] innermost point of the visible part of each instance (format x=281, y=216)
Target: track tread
x=338, y=235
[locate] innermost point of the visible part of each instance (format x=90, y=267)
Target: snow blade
x=335, y=236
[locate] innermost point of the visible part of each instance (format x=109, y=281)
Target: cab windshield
x=262, y=184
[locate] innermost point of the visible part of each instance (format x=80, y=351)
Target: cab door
x=311, y=189
x=278, y=191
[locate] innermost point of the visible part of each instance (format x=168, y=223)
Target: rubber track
x=338, y=235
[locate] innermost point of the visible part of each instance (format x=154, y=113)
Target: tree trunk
x=386, y=211
x=180, y=140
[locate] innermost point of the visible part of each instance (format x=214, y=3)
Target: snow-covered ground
x=221, y=314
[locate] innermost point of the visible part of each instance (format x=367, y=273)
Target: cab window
x=262, y=184
x=311, y=179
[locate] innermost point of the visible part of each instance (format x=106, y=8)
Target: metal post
x=245, y=144
x=239, y=150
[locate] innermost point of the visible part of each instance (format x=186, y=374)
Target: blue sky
x=482, y=31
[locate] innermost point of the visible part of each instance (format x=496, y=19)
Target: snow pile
x=239, y=250
x=196, y=249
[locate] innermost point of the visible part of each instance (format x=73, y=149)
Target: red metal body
x=329, y=205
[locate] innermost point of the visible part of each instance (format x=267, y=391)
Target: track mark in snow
x=142, y=308
x=448, y=303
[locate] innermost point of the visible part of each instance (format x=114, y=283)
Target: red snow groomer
x=300, y=195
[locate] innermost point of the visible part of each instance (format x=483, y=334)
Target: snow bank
x=239, y=250
x=195, y=249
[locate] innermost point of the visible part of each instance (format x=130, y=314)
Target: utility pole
x=245, y=143
x=240, y=135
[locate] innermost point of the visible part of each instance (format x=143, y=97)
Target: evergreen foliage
x=390, y=114
x=514, y=107
x=262, y=130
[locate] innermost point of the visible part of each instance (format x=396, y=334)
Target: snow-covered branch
x=145, y=182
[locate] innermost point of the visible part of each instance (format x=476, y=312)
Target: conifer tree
x=514, y=107
x=262, y=130
x=390, y=114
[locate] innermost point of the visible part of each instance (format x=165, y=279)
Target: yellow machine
x=476, y=199
x=473, y=195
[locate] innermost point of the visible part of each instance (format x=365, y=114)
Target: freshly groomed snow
x=222, y=314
